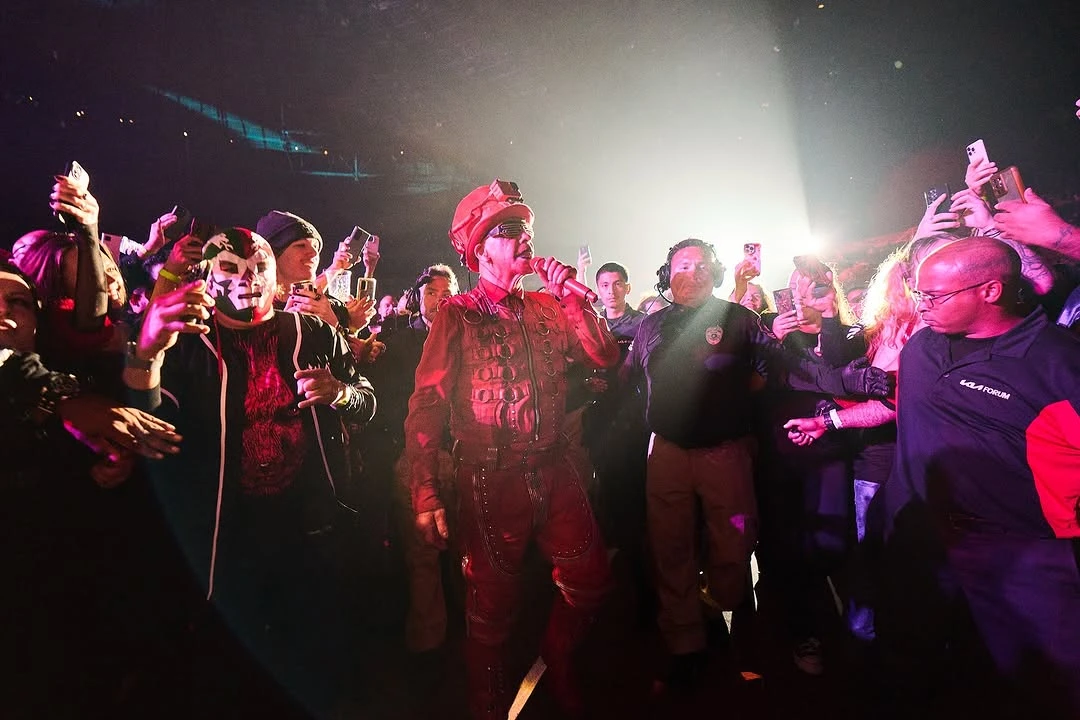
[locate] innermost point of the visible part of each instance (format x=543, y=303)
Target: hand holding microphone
x=559, y=280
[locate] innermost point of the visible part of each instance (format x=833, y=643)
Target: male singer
x=494, y=370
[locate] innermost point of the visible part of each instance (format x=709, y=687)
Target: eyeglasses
x=511, y=229
x=941, y=298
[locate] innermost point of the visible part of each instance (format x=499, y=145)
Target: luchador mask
x=242, y=274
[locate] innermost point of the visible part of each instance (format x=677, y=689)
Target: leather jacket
x=494, y=368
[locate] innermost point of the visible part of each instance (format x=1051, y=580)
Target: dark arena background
x=628, y=124
x=808, y=126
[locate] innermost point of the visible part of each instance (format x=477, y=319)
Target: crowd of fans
x=199, y=435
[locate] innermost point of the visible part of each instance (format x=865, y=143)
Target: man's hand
x=318, y=386
x=173, y=313
x=361, y=311
x=973, y=210
x=804, y=431
x=319, y=306
x=553, y=274
x=860, y=379
x=1035, y=223
x=432, y=527
x=184, y=255
x=933, y=222
x=111, y=430
x=156, y=240
x=77, y=204
x=978, y=172
x=366, y=350
x=785, y=323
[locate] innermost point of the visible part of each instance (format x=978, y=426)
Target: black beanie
x=282, y=229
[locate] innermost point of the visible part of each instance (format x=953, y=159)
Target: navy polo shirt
x=992, y=439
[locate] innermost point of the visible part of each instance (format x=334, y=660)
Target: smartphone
x=817, y=271
x=366, y=288
x=304, y=288
x=977, y=151
x=358, y=236
x=784, y=298
x=933, y=193
x=585, y=254
x=202, y=229
x=182, y=225
x=1006, y=185
x=752, y=254
x=77, y=174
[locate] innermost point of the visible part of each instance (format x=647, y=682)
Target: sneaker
x=807, y=656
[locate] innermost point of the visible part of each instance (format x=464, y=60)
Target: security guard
x=984, y=499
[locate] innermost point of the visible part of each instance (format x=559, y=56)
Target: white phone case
x=977, y=150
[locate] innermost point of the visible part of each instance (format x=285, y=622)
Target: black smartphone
x=181, y=227
x=202, y=229
x=933, y=193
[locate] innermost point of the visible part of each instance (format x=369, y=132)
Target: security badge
x=714, y=334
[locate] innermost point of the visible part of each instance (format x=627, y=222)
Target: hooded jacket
x=203, y=395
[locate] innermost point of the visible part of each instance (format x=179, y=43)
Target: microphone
x=570, y=286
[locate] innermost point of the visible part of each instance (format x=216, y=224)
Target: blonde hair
x=890, y=313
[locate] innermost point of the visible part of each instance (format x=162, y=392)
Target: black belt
x=525, y=456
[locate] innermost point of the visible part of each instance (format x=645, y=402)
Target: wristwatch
x=57, y=388
x=133, y=361
x=828, y=421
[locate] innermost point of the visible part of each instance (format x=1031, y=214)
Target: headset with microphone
x=663, y=274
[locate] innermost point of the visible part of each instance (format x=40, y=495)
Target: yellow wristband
x=170, y=276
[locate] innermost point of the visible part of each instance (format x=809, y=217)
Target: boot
x=566, y=628
x=489, y=694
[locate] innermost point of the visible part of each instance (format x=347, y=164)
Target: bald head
x=975, y=259
x=971, y=288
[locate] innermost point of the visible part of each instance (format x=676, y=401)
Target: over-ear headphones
x=663, y=275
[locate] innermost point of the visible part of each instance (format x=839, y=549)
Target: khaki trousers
x=721, y=479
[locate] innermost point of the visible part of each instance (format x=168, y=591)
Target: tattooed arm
x=1035, y=223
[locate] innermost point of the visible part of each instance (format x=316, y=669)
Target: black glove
x=859, y=378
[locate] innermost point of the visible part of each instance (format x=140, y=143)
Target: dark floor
x=193, y=674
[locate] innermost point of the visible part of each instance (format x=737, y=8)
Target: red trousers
x=501, y=511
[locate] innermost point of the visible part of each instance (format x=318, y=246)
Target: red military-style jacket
x=494, y=368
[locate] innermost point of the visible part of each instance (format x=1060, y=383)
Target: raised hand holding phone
x=71, y=200
x=973, y=211
x=752, y=255
x=370, y=255
x=934, y=222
